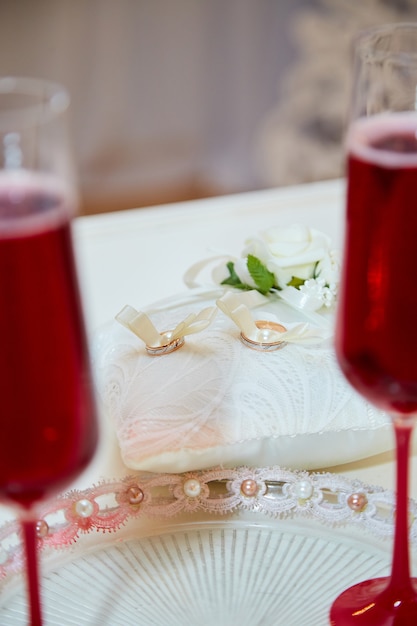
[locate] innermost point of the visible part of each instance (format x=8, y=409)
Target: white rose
x=290, y=251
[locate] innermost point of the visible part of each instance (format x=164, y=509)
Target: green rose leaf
x=233, y=279
x=262, y=277
x=296, y=282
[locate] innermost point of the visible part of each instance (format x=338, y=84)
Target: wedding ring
x=166, y=348
x=267, y=337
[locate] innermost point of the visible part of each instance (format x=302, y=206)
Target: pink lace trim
x=274, y=491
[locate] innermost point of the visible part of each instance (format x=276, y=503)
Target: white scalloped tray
x=278, y=555
x=223, y=573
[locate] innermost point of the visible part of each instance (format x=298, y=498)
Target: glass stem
x=400, y=573
x=32, y=571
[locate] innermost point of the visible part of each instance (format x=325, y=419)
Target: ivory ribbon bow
x=141, y=325
x=236, y=306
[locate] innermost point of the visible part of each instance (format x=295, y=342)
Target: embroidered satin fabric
x=215, y=401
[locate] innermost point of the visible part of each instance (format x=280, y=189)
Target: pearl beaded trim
x=106, y=507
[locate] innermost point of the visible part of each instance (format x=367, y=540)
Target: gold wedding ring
x=267, y=337
x=166, y=348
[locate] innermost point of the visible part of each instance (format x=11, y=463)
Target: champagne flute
x=376, y=329
x=48, y=426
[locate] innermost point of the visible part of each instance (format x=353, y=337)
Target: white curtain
x=164, y=92
x=223, y=95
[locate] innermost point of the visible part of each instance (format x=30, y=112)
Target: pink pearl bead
x=249, y=487
x=42, y=528
x=135, y=495
x=357, y=501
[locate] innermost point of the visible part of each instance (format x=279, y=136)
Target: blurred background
x=181, y=99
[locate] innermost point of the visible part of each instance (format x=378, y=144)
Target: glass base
x=374, y=603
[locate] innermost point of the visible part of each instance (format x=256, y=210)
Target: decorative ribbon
x=273, y=491
x=140, y=324
x=236, y=306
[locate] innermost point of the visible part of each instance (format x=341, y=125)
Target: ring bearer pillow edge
x=216, y=401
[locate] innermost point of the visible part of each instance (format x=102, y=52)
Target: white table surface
x=139, y=256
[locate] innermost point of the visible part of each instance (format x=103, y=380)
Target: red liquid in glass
x=376, y=339
x=48, y=427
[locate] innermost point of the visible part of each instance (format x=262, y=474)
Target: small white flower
x=317, y=288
